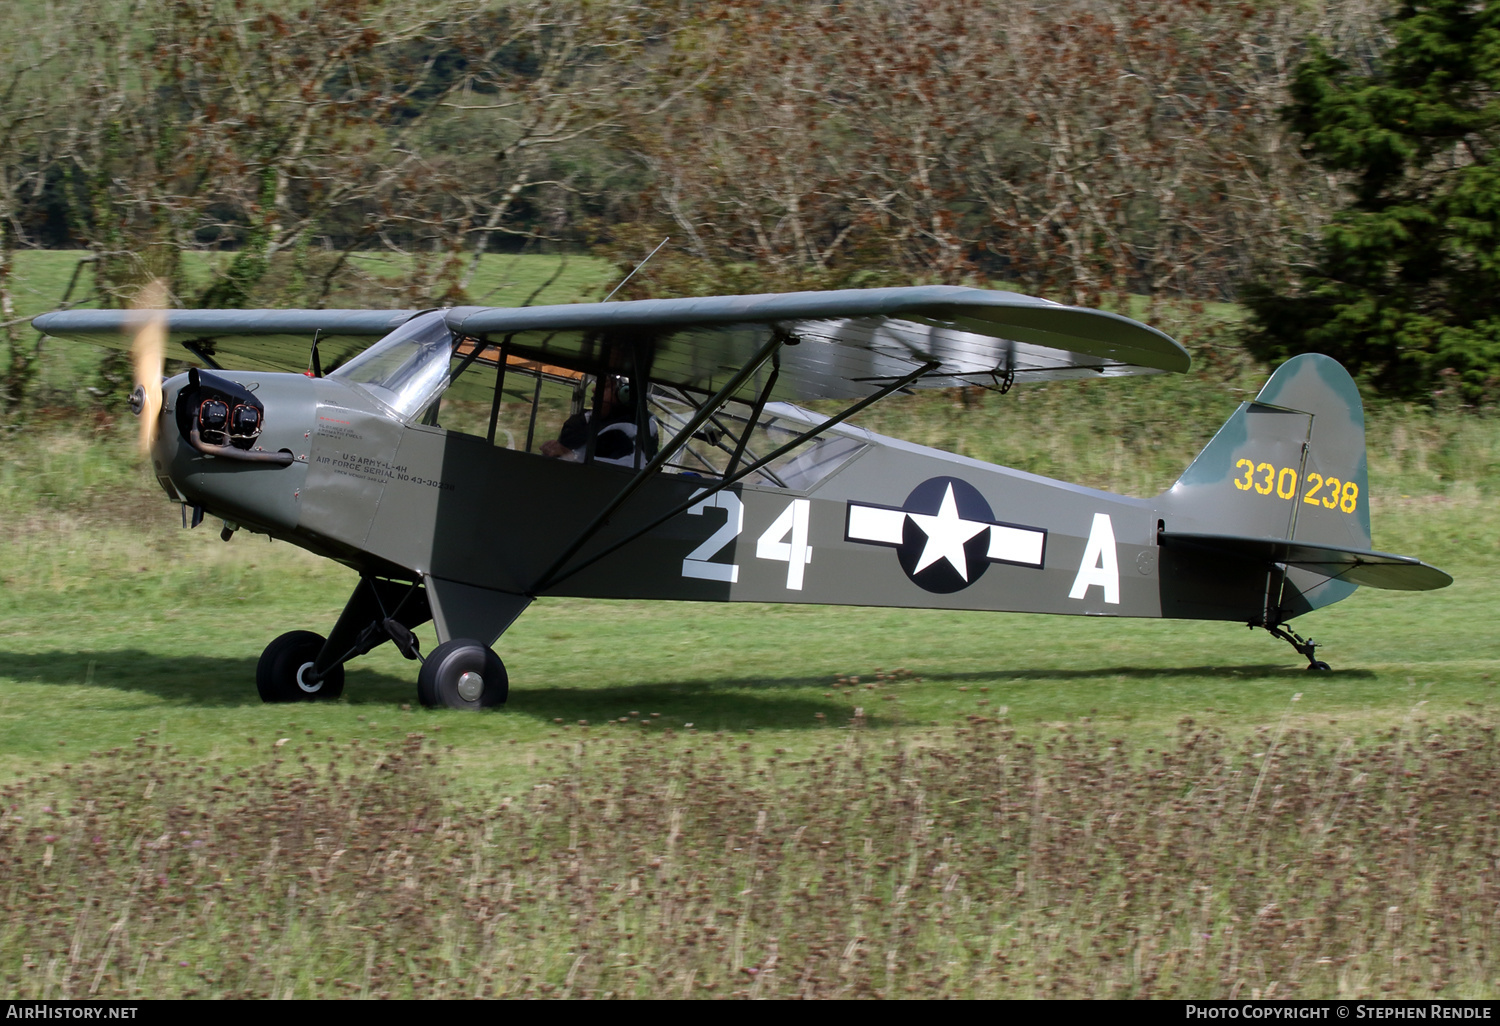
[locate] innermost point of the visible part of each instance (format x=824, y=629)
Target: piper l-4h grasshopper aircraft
x=463, y=467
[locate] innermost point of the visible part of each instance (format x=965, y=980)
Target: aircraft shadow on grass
x=224, y=683
x=1243, y=672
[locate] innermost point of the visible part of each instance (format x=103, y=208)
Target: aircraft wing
x=267, y=340
x=849, y=343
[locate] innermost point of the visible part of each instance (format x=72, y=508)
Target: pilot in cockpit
x=616, y=438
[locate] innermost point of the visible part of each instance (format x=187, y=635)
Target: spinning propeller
x=148, y=353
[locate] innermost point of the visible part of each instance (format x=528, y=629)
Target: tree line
x=1080, y=149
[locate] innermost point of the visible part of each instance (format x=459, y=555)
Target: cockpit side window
x=711, y=450
x=534, y=399
x=517, y=401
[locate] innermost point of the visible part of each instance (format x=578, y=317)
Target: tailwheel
x=1306, y=647
x=462, y=674
x=285, y=670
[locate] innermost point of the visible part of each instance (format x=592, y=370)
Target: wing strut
x=502, y=358
x=667, y=451
x=551, y=577
x=755, y=412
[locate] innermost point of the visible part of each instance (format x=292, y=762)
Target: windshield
x=407, y=367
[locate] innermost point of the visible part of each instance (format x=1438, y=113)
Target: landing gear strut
x=301, y=665
x=1304, y=646
x=458, y=674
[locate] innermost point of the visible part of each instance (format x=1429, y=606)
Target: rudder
x=1290, y=464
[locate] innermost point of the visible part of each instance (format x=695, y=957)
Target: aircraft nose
x=235, y=443
x=224, y=418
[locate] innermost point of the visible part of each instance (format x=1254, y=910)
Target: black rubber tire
x=442, y=671
x=1318, y=666
x=276, y=675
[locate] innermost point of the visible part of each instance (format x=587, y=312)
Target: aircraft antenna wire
x=638, y=266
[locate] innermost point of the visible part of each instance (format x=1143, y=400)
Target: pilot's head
x=614, y=391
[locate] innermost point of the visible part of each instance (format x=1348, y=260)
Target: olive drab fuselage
x=748, y=498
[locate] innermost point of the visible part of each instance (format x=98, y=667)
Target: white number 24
x=784, y=541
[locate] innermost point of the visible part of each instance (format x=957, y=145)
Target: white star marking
x=946, y=534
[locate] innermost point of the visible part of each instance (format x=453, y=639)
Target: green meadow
x=116, y=621
x=760, y=801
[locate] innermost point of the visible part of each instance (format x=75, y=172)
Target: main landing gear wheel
x=282, y=675
x=462, y=674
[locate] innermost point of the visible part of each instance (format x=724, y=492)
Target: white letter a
x=1100, y=565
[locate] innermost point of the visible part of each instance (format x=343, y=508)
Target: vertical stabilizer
x=1290, y=464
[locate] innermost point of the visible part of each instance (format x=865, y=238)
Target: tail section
x=1279, y=503
x=1288, y=464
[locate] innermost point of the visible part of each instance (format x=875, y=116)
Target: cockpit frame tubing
x=504, y=358
x=665, y=453
x=740, y=438
x=698, y=497
x=743, y=437
x=536, y=401
x=597, y=411
x=638, y=387
x=755, y=412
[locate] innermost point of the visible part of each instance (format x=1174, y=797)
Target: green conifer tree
x=1404, y=287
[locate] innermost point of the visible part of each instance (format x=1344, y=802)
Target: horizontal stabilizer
x=1372, y=569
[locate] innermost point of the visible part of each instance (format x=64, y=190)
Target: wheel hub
x=470, y=685
x=311, y=687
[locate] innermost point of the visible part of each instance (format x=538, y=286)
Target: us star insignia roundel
x=945, y=535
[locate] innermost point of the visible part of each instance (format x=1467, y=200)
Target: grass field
x=1000, y=806
x=688, y=799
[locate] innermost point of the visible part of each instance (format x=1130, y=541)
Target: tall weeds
x=650, y=864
